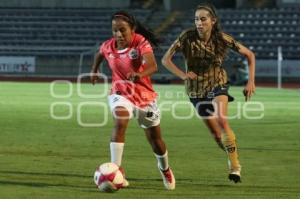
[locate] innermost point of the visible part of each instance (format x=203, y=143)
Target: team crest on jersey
x=133, y=54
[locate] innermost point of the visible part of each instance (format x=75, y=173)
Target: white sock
x=162, y=160
x=116, y=152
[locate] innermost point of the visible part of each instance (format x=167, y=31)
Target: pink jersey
x=122, y=62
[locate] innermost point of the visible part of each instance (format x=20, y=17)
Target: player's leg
x=215, y=130
x=205, y=110
x=121, y=119
x=121, y=110
x=154, y=137
x=149, y=120
x=228, y=137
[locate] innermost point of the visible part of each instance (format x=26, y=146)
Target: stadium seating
x=80, y=29
x=68, y=31
x=262, y=30
x=52, y=33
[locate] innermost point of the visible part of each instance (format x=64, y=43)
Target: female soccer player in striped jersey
x=130, y=57
x=204, y=48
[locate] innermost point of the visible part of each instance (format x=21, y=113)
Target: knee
x=215, y=133
x=223, y=123
x=118, y=134
x=120, y=126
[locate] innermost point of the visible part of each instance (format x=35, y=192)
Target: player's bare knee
x=223, y=123
x=120, y=128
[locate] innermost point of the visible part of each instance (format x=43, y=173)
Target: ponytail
x=139, y=28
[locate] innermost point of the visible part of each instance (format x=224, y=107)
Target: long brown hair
x=216, y=33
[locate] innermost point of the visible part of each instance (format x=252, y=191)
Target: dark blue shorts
x=204, y=105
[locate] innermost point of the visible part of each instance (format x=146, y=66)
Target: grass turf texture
x=41, y=157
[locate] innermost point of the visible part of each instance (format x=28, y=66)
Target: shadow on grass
x=269, y=149
x=142, y=183
x=149, y=186
x=40, y=184
x=46, y=174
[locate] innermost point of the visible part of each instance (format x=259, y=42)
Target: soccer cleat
x=168, y=178
x=125, y=182
x=235, y=173
x=235, y=176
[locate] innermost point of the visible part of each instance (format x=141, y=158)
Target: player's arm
x=150, y=63
x=171, y=66
x=95, y=67
x=250, y=87
x=150, y=67
x=240, y=48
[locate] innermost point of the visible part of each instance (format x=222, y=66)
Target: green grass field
x=42, y=157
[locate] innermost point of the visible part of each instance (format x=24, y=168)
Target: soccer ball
x=108, y=177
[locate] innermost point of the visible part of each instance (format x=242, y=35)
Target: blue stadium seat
x=57, y=27
x=264, y=30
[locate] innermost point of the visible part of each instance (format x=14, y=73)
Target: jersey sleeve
x=231, y=42
x=180, y=43
x=176, y=45
x=145, y=47
x=101, y=49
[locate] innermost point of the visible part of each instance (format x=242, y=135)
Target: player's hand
x=133, y=76
x=249, y=90
x=94, y=77
x=190, y=75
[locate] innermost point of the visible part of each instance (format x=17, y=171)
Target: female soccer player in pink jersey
x=130, y=57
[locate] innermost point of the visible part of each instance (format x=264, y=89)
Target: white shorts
x=147, y=116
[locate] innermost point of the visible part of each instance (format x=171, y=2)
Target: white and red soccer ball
x=108, y=177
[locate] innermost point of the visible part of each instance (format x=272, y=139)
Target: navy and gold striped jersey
x=200, y=58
